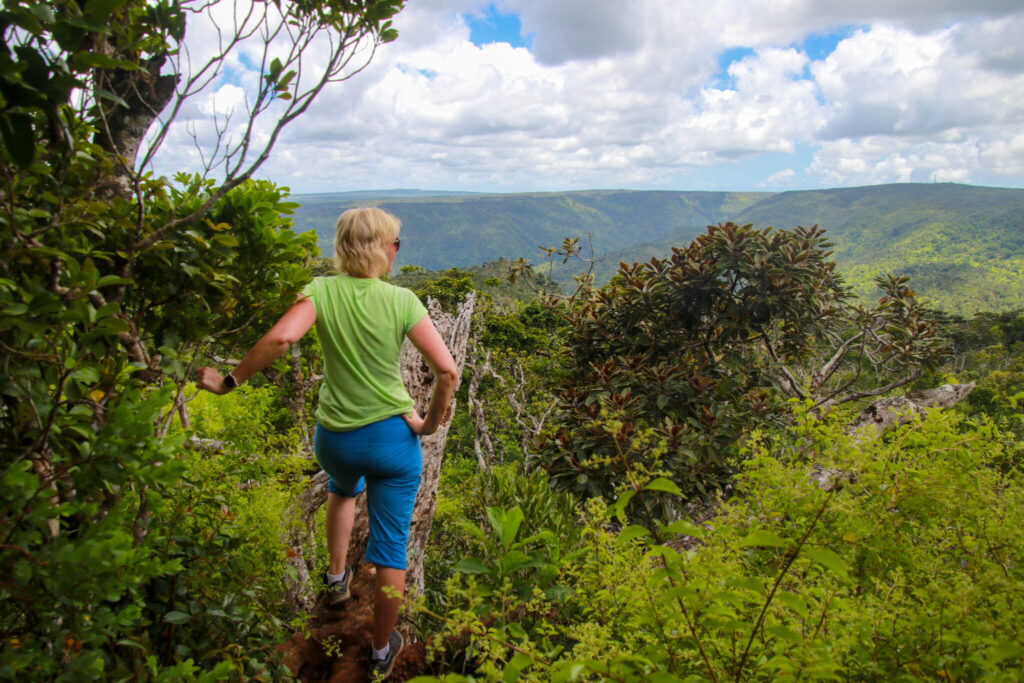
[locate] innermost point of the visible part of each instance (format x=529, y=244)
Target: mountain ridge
x=962, y=245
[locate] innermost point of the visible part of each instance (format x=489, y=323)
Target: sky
x=743, y=95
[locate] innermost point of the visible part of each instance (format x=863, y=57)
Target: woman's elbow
x=447, y=374
x=280, y=342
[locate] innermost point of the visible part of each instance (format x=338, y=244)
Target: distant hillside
x=490, y=278
x=441, y=232
x=962, y=246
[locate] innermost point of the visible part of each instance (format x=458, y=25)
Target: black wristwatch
x=230, y=382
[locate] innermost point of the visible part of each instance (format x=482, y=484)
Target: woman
x=367, y=429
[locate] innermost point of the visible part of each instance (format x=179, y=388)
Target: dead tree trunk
x=891, y=412
x=482, y=445
x=886, y=413
x=419, y=380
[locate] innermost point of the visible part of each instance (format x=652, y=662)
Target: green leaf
x=828, y=559
x=514, y=669
x=86, y=60
x=682, y=526
x=632, y=532
x=16, y=309
x=42, y=12
x=783, y=633
x=471, y=565
x=107, y=95
x=664, y=485
x=176, y=617
x=505, y=523
x=514, y=560
x=619, y=508
x=108, y=280
x=473, y=529
x=761, y=537
x=793, y=602
x=1002, y=651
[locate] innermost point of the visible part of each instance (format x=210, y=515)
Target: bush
x=910, y=566
x=676, y=358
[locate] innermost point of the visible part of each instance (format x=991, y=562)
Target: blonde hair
x=362, y=239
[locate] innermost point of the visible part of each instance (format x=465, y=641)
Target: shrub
x=910, y=566
x=670, y=363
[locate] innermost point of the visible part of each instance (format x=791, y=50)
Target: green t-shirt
x=362, y=323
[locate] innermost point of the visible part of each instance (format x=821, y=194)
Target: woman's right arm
x=425, y=337
x=288, y=330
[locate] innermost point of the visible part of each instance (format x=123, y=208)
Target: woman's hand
x=415, y=422
x=211, y=380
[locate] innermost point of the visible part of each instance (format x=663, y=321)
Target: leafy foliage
x=113, y=283
x=909, y=571
x=668, y=364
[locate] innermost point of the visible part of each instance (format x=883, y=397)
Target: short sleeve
x=313, y=291
x=412, y=308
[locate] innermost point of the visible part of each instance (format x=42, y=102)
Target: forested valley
x=723, y=464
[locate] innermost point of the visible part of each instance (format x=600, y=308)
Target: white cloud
x=783, y=178
x=630, y=95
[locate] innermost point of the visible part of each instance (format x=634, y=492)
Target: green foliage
x=668, y=365
x=907, y=568
x=87, y=474
x=505, y=534
x=450, y=289
x=74, y=599
x=211, y=284
x=528, y=329
x=490, y=279
x=133, y=559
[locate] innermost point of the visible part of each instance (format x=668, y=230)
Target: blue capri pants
x=385, y=459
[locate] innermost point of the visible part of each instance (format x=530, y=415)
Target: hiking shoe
x=381, y=668
x=337, y=592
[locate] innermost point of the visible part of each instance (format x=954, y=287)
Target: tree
x=669, y=364
x=113, y=283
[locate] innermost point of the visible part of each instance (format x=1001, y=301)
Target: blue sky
x=492, y=26
x=524, y=95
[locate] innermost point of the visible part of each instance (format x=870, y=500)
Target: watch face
x=230, y=382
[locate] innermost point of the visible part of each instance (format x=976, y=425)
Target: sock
x=331, y=578
x=381, y=654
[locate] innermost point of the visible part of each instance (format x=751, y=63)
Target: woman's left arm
x=285, y=332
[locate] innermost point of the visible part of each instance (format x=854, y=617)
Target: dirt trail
x=338, y=647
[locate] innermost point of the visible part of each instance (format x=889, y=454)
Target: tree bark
x=886, y=413
x=143, y=92
x=482, y=445
x=454, y=330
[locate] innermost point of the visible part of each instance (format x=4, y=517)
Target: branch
x=826, y=371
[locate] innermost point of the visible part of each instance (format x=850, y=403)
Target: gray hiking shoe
x=337, y=592
x=381, y=668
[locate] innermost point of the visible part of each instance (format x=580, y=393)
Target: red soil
x=346, y=633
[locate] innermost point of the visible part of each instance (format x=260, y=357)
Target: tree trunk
x=419, y=380
x=886, y=413
x=482, y=445
x=143, y=93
